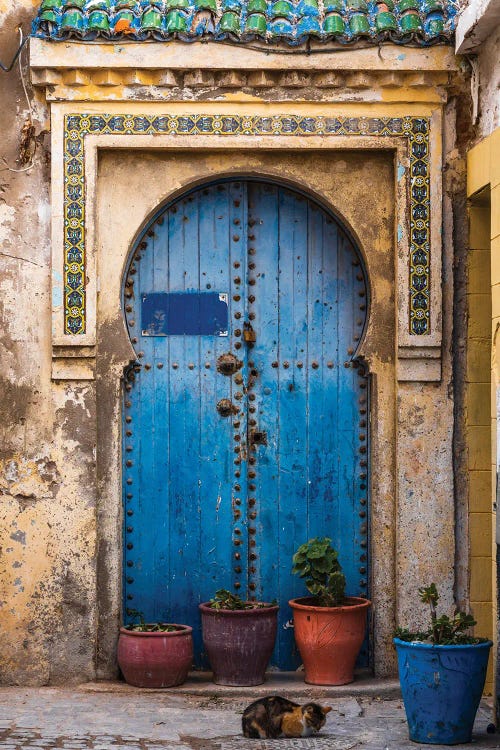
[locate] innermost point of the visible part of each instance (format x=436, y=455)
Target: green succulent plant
x=444, y=630
x=317, y=562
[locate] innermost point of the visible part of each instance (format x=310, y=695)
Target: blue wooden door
x=245, y=415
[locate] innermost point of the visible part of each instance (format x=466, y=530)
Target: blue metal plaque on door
x=189, y=313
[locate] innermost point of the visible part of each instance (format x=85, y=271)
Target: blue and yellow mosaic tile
x=293, y=22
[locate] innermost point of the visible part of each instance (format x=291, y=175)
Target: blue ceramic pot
x=441, y=687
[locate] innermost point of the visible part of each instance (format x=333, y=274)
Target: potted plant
x=329, y=626
x=238, y=637
x=155, y=655
x=442, y=672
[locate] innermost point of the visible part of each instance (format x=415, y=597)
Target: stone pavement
x=112, y=716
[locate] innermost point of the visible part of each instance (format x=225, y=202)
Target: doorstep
x=290, y=684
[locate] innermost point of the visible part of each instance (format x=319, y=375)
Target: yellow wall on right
x=483, y=380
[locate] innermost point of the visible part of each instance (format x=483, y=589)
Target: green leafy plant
x=317, y=562
x=444, y=630
x=224, y=599
x=148, y=627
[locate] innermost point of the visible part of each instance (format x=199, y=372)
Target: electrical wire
x=30, y=109
x=19, y=49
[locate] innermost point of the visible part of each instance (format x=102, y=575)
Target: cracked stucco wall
x=47, y=495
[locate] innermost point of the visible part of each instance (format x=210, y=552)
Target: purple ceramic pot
x=239, y=643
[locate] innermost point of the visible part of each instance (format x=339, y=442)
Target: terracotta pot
x=155, y=660
x=239, y=643
x=329, y=638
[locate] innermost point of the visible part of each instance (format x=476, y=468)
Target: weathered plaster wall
x=60, y=478
x=47, y=495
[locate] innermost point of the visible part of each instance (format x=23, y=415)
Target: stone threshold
x=290, y=684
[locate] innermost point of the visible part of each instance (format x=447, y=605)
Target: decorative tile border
x=78, y=126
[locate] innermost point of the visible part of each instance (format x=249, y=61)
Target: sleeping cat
x=269, y=718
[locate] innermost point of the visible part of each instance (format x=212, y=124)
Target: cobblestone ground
x=35, y=719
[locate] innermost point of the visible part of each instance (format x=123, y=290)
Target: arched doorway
x=245, y=416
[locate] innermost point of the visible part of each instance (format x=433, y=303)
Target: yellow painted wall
x=483, y=379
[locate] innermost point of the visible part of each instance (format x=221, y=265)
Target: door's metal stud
x=251, y=282
x=363, y=544
x=160, y=365
x=252, y=409
x=361, y=293
x=130, y=564
x=131, y=322
x=236, y=237
x=147, y=366
x=252, y=487
x=175, y=365
x=135, y=340
x=251, y=460
x=129, y=496
x=237, y=542
x=128, y=419
x=362, y=437
x=237, y=332
x=362, y=423
x=251, y=502
x=362, y=307
x=236, y=222
x=362, y=514
x=362, y=583
x=130, y=545
x=236, y=264
x=128, y=387
x=251, y=530
x=130, y=529
x=363, y=528
x=237, y=585
x=251, y=397
x=286, y=365
x=236, y=297
x=129, y=448
x=237, y=556
x=129, y=463
x=252, y=316
x=130, y=512
x=237, y=500
x=355, y=262
x=300, y=365
x=363, y=463
x=363, y=501
x=237, y=345
x=251, y=266
x=362, y=449
x=237, y=487
x=252, y=556
x=252, y=543
x=238, y=395
x=237, y=569
x=237, y=515
x=236, y=425
x=252, y=570
x=251, y=586
x=129, y=308
x=329, y=365
x=128, y=404
x=129, y=579
x=128, y=433
x=275, y=364
x=362, y=570
x=251, y=298
x=237, y=438
x=356, y=338
x=362, y=385
x=237, y=280
x=252, y=422
x=252, y=515
x=129, y=480
x=251, y=236
x=237, y=473
x=207, y=365
x=251, y=251
x=315, y=365
x=237, y=461
x=237, y=449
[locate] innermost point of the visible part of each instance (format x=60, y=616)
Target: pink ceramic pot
x=155, y=660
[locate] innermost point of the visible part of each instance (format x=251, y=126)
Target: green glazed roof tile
x=291, y=22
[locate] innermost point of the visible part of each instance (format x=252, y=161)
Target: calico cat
x=269, y=718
